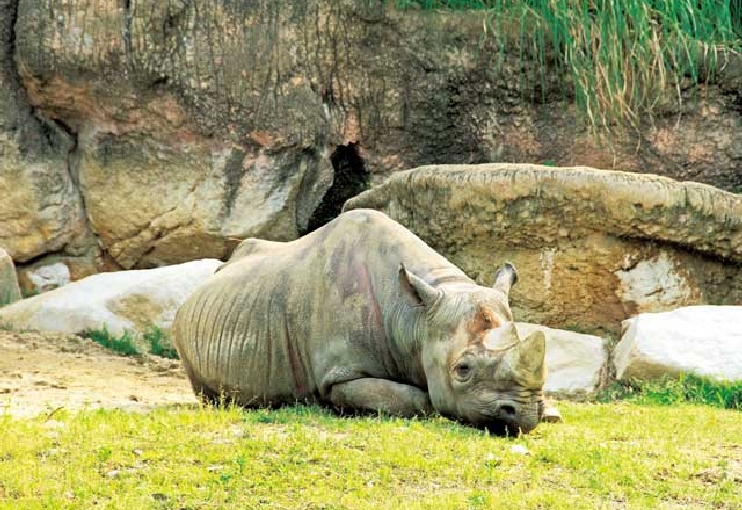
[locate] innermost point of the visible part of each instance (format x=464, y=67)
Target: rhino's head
x=477, y=368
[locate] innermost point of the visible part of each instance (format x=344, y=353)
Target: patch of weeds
x=622, y=60
x=6, y=326
x=686, y=388
x=25, y=294
x=159, y=343
x=5, y=298
x=123, y=345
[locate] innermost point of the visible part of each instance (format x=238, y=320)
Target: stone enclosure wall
x=144, y=132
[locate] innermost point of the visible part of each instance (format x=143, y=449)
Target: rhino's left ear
x=505, y=278
x=417, y=289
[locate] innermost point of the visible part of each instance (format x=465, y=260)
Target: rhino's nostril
x=507, y=411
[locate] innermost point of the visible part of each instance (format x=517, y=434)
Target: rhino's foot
x=551, y=415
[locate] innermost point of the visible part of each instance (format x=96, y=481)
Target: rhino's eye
x=463, y=371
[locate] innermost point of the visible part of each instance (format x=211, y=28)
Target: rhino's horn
x=526, y=360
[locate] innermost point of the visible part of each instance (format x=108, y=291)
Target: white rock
x=654, y=285
x=133, y=300
x=700, y=340
x=49, y=277
x=576, y=363
x=9, y=290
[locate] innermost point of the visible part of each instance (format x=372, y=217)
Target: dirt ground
x=43, y=372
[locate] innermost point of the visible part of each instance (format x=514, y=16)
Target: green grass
x=618, y=455
x=124, y=344
x=622, y=61
x=685, y=389
x=155, y=341
x=159, y=344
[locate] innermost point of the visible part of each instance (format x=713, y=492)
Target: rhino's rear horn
x=506, y=277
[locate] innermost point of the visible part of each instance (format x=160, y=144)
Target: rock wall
x=592, y=247
x=144, y=132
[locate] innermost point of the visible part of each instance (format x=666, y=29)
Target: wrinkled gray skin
x=364, y=316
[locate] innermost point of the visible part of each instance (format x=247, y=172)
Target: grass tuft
x=686, y=389
x=625, y=59
x=124, y=345
x=159, y=343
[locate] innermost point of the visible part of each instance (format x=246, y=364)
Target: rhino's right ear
x=505, y=278
x=416, y=289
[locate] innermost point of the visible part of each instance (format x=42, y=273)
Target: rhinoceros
x=363, y=316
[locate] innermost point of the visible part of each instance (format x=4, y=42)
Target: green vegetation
x=622, y=60
x=685, y=389
x=123, y=345
x=25, y=294
x=618, y=455
x=5, y=298
x=155, y=340
x=159, y=344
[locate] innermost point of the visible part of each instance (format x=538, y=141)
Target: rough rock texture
x=9, y=289
x=47, y=277
x=40, y=206
x=577, y=364
x=175, y=126
x=55, y=270
x=700, y=340
x=133, y=300
x=592, y=247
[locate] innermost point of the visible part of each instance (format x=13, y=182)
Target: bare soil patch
x=41, y=372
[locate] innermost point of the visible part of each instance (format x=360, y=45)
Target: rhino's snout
x=519, y=418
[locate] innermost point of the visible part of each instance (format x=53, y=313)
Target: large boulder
x=125, y=300
x=9, y=289
x=592, y=247
x=577, y=363
x=699, y=340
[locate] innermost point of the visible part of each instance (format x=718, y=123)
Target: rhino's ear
x=505, y=278
x=416, y=288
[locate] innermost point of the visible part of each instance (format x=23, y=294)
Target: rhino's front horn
x=526, y=360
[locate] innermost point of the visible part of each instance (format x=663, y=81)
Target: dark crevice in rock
x=233, y=173
x=40, y=259
x=127, y=27
x=161, y=81
x=350, y=177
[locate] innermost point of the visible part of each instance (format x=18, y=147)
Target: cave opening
x=350, y=177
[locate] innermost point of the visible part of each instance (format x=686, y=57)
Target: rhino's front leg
x=373, y=395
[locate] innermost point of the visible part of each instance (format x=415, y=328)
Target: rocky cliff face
x=592, y=247
x=136, y=133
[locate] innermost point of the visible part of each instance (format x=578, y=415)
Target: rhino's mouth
x=505, y=421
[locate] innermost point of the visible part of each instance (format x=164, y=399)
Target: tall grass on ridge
x=625, y=58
